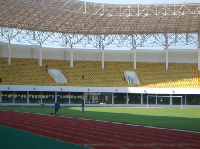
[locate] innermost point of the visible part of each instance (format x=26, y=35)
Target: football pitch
x=172, y=118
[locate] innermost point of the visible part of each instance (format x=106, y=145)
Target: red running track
x=99, y=134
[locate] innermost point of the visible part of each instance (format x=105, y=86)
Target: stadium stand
x=113, y=54
x=151, y=74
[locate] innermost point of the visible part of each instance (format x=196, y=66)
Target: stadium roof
x=77, y=17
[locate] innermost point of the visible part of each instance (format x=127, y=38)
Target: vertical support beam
x=171, y=102
x=156, y=100
x=102, y=56
x=56, y=96
x=199, y=38
x=14, y=97
x=166, y=41
x=141, y=99
x=198, y=58
x=84, y=97
x=113, y=102
x=9, y=54
x=167, y=59
x=135, y=59
x=199, y=48
x=40, y=56
x=41, y=98
x=27, y=94
x=71, y=58
x=1, y=98
x=69, y=98
x=133, y=41
x=127, y=99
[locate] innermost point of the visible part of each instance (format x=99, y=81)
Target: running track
x=99, y=134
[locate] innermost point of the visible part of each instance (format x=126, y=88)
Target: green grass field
x=175, y=118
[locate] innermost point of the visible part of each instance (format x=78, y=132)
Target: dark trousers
x=56, y=110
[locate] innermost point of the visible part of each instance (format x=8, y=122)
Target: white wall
x=86, y=55
x=18, y=52
x=118, y=56
x=53, y=54
x=183, y=57
x=4, y=51
x=153, y=56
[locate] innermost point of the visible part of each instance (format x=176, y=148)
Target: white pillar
x=41, y=98
x=171, y=102
x=127, y=98
x=199, y=38
x=71, y=58
x=0, y=96
x=134, y=59
x=69, y=98
x=9, y=54
x=167, y=59
x=40, y=56
x=27, y=94
x=113, y=102
x=141, y=99
x=198, y=58
x=84, y=97
x=199, y=49
x=56, y=96
x=156, y=100
x=13, y=97
x=102, y=55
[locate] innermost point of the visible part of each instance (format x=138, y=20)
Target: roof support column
x=1, y=97
x=40, y=56
x=199, y=49
x=167, y=59
x=102, y=61
x=166, y=41
x=198, y=58
x=9, y=54
x=199, y=38
x=71, y=58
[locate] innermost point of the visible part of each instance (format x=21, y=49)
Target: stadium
x=135, y=68
x=101, y=53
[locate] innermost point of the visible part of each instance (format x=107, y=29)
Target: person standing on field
x=57, y=106
x=82, y=106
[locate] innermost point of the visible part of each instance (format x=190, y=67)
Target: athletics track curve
x=99, y=134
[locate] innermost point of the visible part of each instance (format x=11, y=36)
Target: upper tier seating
x=150, y=74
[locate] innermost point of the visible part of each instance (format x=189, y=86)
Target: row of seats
x=183, y=75
x=153, y=74
x=24, y=72
x=150, y=74
x=178, y=75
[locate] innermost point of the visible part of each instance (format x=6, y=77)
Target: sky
x=142, y=1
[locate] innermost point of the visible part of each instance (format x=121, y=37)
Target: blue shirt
x=57, y=105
